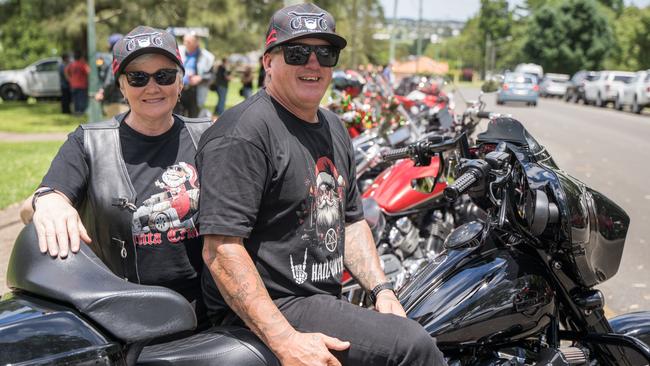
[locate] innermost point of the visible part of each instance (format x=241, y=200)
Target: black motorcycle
x=518, y=287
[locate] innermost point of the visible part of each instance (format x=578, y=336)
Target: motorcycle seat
x=130, y=312
x=217, y=346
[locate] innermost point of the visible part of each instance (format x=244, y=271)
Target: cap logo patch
x=143, y=40
x=306, y=22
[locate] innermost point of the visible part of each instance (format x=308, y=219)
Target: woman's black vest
x=107, y=210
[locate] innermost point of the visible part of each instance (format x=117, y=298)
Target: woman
x=247, y=82
x=128, y=186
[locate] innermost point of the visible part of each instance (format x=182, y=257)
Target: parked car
x=553, y=85
x=518, y=87
x=40, y=79
x=604, y=87
x=575, y=90
x=532, y=69
x=635, y=94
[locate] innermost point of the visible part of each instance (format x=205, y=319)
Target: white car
x=604, y=87
x=636, y=93
x=40, y=79
x=553, y=85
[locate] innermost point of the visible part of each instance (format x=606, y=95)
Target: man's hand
x=387, y=303
x=58, y=225
x=310, y=349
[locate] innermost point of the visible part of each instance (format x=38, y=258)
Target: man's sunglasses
x=298, y=54
x=138, y=79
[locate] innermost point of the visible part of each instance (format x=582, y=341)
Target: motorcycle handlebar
x=396, y=154
x=462, y=184
x=483, y=114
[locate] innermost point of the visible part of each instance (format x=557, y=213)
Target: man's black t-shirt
x=287, y=187
x=222, y=76
x=161, y=170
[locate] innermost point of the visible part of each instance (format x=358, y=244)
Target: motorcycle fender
x=635, y=324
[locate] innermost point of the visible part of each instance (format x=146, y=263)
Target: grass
x=25, y=165
x=36, y=116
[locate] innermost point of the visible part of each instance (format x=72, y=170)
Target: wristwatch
x=381, y=287
x=41, y=192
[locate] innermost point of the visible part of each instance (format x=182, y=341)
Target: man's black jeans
x=375, y=338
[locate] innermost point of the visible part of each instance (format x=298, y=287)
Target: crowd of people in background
x=204, y=73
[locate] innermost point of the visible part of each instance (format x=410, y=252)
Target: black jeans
x=375, y=338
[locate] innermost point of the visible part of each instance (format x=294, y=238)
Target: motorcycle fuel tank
x=393, y=188
x=466, y=298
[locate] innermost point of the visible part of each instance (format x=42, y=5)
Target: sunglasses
x=298, y=54
x=138, y=79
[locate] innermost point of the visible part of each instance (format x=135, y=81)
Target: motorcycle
x=517, y=288
x=77, y=312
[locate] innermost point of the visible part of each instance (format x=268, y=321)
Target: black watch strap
x=381, y=287
x=41, y=192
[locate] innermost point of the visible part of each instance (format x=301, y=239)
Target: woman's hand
x=58, y=225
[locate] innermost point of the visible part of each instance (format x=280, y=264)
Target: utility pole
x=391, y=52
x=355, y=30
x=94, y=109
x=419, y=42
x=488, y=44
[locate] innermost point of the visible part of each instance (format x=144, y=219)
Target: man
x=198, y=65
x=281, y=215
x=77, y=75
x=64, y=84
x=222, y=79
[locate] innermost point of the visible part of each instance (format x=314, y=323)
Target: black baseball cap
x=302, y=21
x=143, y=40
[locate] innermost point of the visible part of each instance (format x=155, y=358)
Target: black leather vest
x=107, y=210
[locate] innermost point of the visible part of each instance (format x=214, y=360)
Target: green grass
x=36, y=116
x=25, y=165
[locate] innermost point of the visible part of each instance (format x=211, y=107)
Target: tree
x=642, y=40
x=573, y=36
x=494, y=22
x=624, y=55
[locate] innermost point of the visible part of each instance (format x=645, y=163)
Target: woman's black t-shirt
x=161, y=170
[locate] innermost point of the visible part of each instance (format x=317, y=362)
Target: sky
x=454, y=9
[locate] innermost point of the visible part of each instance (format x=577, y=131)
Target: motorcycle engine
x=403, y=236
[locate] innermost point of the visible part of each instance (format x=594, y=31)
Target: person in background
x=262, y=74
x=109, y=94
x=77, y=74
x=222, y=79
x=198, y=74
x=64, y=84
x=247, y=82
x=281, y=215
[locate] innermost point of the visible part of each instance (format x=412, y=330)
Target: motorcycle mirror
x=424, y=185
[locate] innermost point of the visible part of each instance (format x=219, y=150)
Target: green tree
x=625, y=52
x=642, y=41
x=573, y=36
x=495, y=21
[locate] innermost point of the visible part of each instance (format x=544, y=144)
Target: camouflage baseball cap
x=143, y=40
x=302, y=21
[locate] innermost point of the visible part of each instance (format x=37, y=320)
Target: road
x=610, y=152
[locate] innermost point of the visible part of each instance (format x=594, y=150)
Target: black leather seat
x=131, y=313
x=219, y=346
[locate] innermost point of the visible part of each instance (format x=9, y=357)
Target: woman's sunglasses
x=298, y=54
x=138, y=79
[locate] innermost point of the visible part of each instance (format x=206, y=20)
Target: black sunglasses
x=298, y=54
x=138, y=79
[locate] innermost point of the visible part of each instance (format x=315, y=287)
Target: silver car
x=40, y=79
x=553, y=85
x=635, y=94
x=604, y=87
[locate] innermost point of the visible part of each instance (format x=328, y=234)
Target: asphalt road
x=610, y=152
